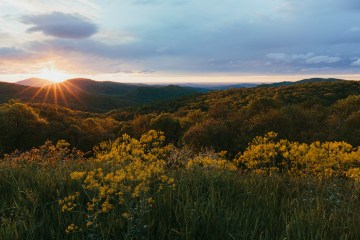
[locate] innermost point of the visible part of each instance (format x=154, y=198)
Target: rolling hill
x=309, y=80
x=307, y=92
x=218, y=86
x=222, y=120
x=90, y=95
x=34, y=82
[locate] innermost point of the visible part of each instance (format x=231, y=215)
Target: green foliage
x=20, y=126
x=23, y=126
x=202, y=207
x=117, y=195
x=168, y=124
x=255, y=207
x=210, y=133
x=304, y=186
x=222, y=120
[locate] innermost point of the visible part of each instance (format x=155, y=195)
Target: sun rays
x=58, y=91
x=53, y=75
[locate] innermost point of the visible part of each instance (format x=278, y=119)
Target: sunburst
x=53, y=75
x=56, y=93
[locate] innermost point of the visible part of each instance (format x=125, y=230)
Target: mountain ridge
x=34, y=82
x=90, y=95
x=307, y=80
x=102, y=96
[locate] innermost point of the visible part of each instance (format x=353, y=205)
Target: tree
x=209, y=134
x=169, y=125
x=20, y=126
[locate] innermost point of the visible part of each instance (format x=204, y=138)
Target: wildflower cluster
x=130, y=172
x=68, y=203
x=46, y=156
x=71, y=228
x=210, y=164
x=353, y=173
x=264, y=155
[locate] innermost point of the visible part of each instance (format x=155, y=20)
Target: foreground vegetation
x=148, y=189
x=212, y=168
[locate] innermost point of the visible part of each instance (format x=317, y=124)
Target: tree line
x=220, y=120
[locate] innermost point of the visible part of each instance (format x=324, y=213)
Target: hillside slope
x=309, y=80
x=220, y=120
x=89, y=95
x=304, y=93
x=34, y=82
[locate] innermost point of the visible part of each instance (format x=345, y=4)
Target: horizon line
x=212, y=79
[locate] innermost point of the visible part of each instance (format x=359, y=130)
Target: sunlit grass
x=204, y=206
x=46, y=192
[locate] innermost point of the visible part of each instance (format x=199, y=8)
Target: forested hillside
x=228, y=120
x=222, y=120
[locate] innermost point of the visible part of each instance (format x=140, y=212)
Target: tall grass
x=204, y=205
x=234, y=206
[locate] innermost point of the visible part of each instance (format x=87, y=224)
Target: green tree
x=21, y=126
x=169, y=125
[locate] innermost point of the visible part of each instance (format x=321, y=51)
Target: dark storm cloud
x=61, y=25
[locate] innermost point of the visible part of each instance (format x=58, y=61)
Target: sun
x=53, y=75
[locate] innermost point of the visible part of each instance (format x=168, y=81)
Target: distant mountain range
x=110, y=86
x=218, y=86
x=309, y=80
x=34, y=82
x=113, y=87
x=222, y=86
x=89, y=95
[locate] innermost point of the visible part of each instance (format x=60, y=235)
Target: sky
x=180, y=40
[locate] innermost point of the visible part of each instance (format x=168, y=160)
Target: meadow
x=147, y=189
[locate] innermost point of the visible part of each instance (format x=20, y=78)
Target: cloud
x=321, y=69
x=308, y=58
x=61, y=25
x=11, y=53
x=356, y=62
x=3, y=34
x=288, y=58
x=279, y=57
x=135, y=51
x=181, y=36
x=14, y=59
x=83, y=7
x=145, y=2
x=322, y=59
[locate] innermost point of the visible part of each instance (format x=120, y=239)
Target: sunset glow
x=53, y=75
x=235, y=42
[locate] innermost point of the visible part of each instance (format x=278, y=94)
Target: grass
x=205, y=205
x=234, y=206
